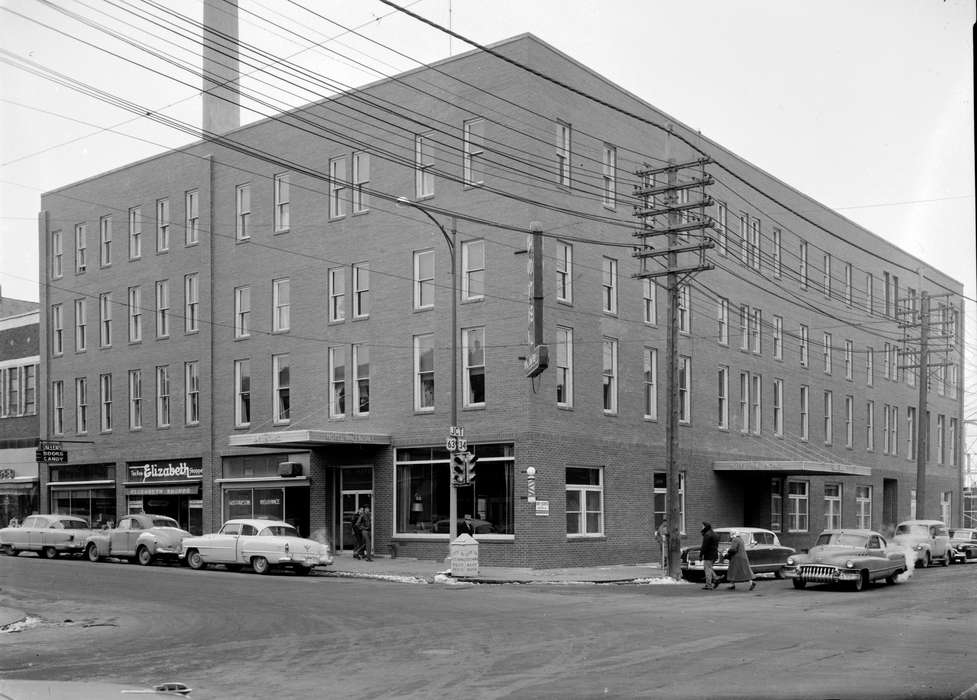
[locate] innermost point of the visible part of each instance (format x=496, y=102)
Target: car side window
x=31, y=522
x=56, y=525
x=249, y=530
x=231, y=529
x=123, y=524
x=874, y=543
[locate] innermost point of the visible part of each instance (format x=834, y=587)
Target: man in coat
x=709, y=551
x=739, y=563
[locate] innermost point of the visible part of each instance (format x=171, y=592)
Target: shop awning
x=306, y=439
x=18, y=487
x=793, y=467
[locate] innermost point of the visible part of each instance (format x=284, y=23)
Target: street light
x=450, y=240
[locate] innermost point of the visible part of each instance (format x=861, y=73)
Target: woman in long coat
x=739, y=563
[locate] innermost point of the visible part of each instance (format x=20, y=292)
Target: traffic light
x=458, y=469
x=470, y=460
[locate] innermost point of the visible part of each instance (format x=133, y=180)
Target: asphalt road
x=240, y=635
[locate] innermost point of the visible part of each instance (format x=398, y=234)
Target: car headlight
x=849, y=564
x=917, y=547
x=790, y=561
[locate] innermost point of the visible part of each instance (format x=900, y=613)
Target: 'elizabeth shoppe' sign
x=176, y=470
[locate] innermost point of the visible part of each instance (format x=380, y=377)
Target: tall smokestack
x=221, y=99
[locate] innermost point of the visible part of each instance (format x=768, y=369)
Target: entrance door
x=356, y=489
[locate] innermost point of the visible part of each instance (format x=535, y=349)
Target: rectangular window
x=911, y=432
x=940, y=439
x=473, y=270
x=886, y=361
x=191, y=234
x=337, y=294
x=281, y=389
x=564, y=272
x=722, y=317
x=57, y=329
x=243, y=198
x=869, y=293
x=281, y=300
x=849, y=421
x=826, y=282
x=756, y=418
x=776, y=505
x=162, y=225
x=802, y=344
x=609, y=285
x=832, y=506
x=951, y=443
x=242, y=312
x=81, y=325
x=135, y=233
x=744, y=402
x=684, y=389
x=722, y=395
x=849, y=359
x=474, y=152
x=81, y=405
x=105, y=319
x=609, y=193
x=827, y=353
x=685, y=308
x=870, y=426
x=57, y=407
x=797, y=506
x=473, y=371
x=756, y=332
x=651, y=383
x=361, y=379
x=848, y=284
x=778, y=407
x=424, y=165
x=191, y=398
x=863, y=507
x=755, y=243
x=744, y=327
x=609, y=375
x=886, y=446
x=649, y=295
x=9, y=391
x=585, y=501
x=105, y=239
x=805, y=413
x=242, y=393
x=135, y=314
x=163, y=309
x=869, y=366
x=744, y=238
x=283, y=201
x=564, y=367
x=424, y=279
x=163, y=396
x=361, y=290
x=81, y=248
x=135, y=399
x=191, y=290
x=776, y=253
x=337, y=382
x=57, y=254
x=723, y=237
x=361, y=182
x=778, y=338
x=563, y=153
x=424, y=372
x=337, y=188
x=828, y=418
x=802, y=270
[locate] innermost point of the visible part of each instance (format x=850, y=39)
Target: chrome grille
x=817, y=573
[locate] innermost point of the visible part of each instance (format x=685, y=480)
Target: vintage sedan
x=963, y=540
x=767, y=555
x=261, y=544
x=49, y=535
x=927, y=538
x=851, y=557
x=140, y=538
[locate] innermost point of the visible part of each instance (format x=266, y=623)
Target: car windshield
x=279, y=531
x=70, y=524
x=165, y=522
x=963, y=534
x=841, y=539
x=915, y=530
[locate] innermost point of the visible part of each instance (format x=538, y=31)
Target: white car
x=261, y=544
x=928, y=539
x=48, y=534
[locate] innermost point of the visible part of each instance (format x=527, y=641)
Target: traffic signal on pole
x=470, y=460
x=457, y=468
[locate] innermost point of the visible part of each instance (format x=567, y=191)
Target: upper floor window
x=361, y=379
x=337, y=294
x=755, y=243
x=57, y=329
x=651, y=383
x=828, y=418
x=650, y=301
x=803, y=345
x=361, y=290
x=242, y=393
x=609, y=285
x=337, y=382
x=827, y=353
x=424, y=279
x=57, y=254
x=869, y=366
x=191, y=400
x=827, y=276
x=281, y=305
x=81, y=325
x=162, y=225
x=191, y=319
x=424, y=165
x=609, y=191
x=191, y=233
x=135, y=399
x=564, y=272
x=564, y=367
x=81, y=405
x=281, y=387
x=282, y=202
x=105, y=240
x=803, y=265
x=685, y=308
x=610, y=375
x=756, y=331
x=474, y=151
x=473, y=270
x=424, y=372
x=105, y=319
x=243, y=213
x=722, y=314
x=848, y=284
x=869, y=293
x=775, y=253
x=805, y=412
x=81, y=248
x=722, y=235
x=473, y=352
x=162, y=309
x=337, y=187
x=563, y=153
x=849, y=359
x=778, y=338
x=361, y=182
x=135, y=233
x=778, y=407
x=162, y=396
x=57, y=407
x=685, y=389
x=242, y=312
x=722, y=397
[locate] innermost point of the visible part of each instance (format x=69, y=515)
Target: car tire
x=798, y=583
x=929, y=561
x=859, y=584
x=946, y=558
x=195, y=561
x=303, y=570
x=49, y=553
x=143, y=556
x=260, y=565
x=91, y=551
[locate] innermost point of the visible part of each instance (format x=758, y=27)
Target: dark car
x=767, y=555
x=963, y=540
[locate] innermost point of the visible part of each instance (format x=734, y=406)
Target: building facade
x=252, y=326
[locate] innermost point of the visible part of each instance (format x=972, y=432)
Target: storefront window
x=96, y=505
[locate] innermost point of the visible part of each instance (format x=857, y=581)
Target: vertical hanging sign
x=538, y=358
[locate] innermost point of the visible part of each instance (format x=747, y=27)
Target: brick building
x=250, y=325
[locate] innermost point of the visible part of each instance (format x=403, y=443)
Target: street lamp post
x=450, y=240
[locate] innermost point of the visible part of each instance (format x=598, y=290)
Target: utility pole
x=675, y=213
x=922, y=424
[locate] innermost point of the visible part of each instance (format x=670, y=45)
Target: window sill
x=594, y=537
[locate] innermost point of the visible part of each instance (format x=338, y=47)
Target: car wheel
x=303, y=570
x=144, y=557
x=49, y=553
x=260, y=565
x=859, y=583
x=195, y=561
x=798, y=583
x=893, y=579
x=779, y=573
x=92, y=552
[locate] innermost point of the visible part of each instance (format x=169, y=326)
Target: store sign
x=51, y=453
x=7, y=474
x=149, y=472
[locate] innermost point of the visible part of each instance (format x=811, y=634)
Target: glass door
x=356, y=492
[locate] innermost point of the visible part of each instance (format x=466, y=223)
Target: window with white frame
x=609, y=191
x=474, y=152
x=585, y=501
x=828, y=418
x=162, y=308
x=337, y=187
x=473, y=270
x=722, y=398
x=564, y=272
x=755, y=243
x=778, y=407
x=424, y=165
x=911, y=432
x=651, y=383
x=337, y=294
x=912, y=504
x=191, y=233
x=243, y=215
x=649, y=296
x=564, y=367
x=81, y=325
x=832, y=506
x=869, y=366
x=848, y=284
x=191, y=309
x=805, y=413
x=281, y=300
x=869, y=293
x=361, y=182
x=57, y=254
x=283, y=201
x=135, y=314
x=870, y=426
x=135, y=399
x=802, y=269
x=609, y=375
x=744, y=327
x=778, y=338
x=105, y=240
x=337, y=382
x=744, y=238
x=424, y=372
x=81, y=248
x=722, y=236
x=863, y=507
x=57, y=407
x=105, y=319
x=849, y=359
x=722, y=318
x=797, y=506
x=826, y=282
x=29, y=373
x=775, y=253
x=162, y=225
x=242, y=393
x=684, y=389
x=135, y=233
x=756, y=332
x=57, y=329
x=10, y=391
x=563, y=153
x=81, y=405
x=940, y=439
x=886, y=417
x=162, y=396
x=242, y=312
x=744, y=402
x=776, y=505
x=803, y=345
x=827, y=353
x=361, y=379
x=105, y=399
x=191, y=398
x=281, y=388
x=685, y=308
x=849, y=421
x=660, y=502
x=424, y=279
x=609, y=285
x=361, y=290
x=473, y=370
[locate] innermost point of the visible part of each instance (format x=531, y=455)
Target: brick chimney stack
x=221, y=99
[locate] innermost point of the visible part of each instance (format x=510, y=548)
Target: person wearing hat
x=467, y=526
x=709, y=551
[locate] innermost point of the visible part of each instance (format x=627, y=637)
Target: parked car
x=47, y=534
x=261, y=544
x=963, y=540
x=767, y=555
x=140, y=538
x=928, y=538
x=852, y=557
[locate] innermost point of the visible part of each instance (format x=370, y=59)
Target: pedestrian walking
x=357, y=533
x=709, y=551
x=739, y=563
x=362, y=526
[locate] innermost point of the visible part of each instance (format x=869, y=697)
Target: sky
x=865, y=106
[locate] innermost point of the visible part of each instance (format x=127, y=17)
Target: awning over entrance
x=792, y=467
x=18, y=487
x=306, y=439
